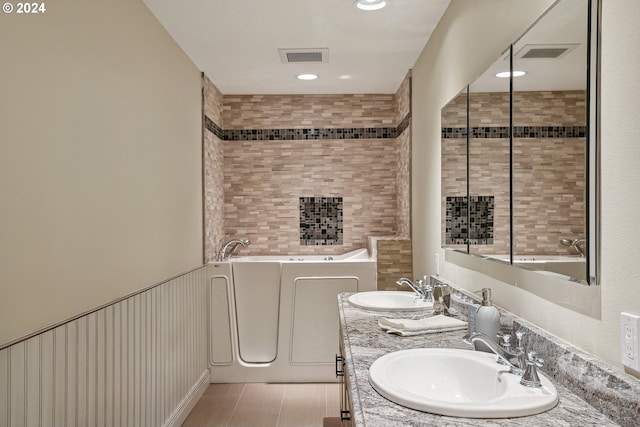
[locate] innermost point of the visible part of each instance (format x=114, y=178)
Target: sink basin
x=388, y=301
x=457, y=383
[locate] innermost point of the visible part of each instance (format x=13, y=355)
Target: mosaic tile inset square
x=321, y=221
x=480, y=229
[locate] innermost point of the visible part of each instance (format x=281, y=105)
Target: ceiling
x=563, y=25
x=235, y=42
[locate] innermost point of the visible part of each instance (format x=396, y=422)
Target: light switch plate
x=629, y=328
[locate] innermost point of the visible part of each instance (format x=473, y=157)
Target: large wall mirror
x=519, y=149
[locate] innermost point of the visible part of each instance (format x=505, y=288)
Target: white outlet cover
x=629, y=330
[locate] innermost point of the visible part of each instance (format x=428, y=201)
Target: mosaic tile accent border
x=404, y=124
x=291, y=134
x=518, y=132
x=321, y=221
x=481, y=217
x=213, y=127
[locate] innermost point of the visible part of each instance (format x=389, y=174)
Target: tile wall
x=263, y=153
x=403, y=144
x=213, y=174
x=548, y=166
x=394, y=256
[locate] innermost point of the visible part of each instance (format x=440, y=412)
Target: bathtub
x=275, y=318
x=566, y=265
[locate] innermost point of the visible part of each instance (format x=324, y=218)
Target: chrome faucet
x=527, y=362
x=230, y=247
x=503, y=356
x=422, y=290
x=577, y=244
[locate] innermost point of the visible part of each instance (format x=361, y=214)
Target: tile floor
x=267, y=405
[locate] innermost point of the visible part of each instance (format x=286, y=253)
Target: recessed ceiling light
x=370, y=4
x=507, y=74
x=307, y=76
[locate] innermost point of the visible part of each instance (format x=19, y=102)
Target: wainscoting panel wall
x=140, y=361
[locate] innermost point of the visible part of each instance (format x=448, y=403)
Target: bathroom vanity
x=576, y=376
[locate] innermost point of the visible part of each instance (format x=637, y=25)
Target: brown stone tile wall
x=403, y=144
x=403, y=98
x=263, y=181
x=308, y=111
x=213, y=102
x=394, y=257
x=213, y=175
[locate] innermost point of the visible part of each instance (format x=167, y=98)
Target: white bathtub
x=566, y=265
x=275, y=318
x=357, y=255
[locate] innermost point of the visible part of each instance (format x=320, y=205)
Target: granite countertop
x=364, y=341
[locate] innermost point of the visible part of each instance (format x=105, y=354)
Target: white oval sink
x=388, y=301
x=457, y=383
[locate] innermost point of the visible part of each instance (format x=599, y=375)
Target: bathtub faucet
x=577, y=244
x=230, y=247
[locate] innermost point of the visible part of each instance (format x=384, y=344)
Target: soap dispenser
x=487, y=320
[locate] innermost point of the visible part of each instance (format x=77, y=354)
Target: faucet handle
x=505, y=339
x=520, y=337
x=530, y=377
x=533, y=359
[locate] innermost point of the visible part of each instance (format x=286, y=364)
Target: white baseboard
x=184, y=408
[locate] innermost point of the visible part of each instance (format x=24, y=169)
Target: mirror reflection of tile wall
x=549, y=168
x=453, y=163
x=549, y=156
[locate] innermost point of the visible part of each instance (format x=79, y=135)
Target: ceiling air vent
x=292, y=56
x=544, y=51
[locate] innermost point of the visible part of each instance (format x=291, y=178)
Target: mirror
x=489, y=158
x=454, y=173
x=530, y=153
x=549, y=142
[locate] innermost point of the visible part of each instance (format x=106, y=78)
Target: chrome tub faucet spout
x=577, y=244
x=230, y=247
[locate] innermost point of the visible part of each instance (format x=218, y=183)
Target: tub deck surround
x=364, y=342
x=393, y=255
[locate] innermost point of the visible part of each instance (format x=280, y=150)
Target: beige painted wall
x=459, y=50
x=100, y=160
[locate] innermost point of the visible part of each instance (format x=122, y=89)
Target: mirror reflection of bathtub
x=563, y=265
x=275, y=318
